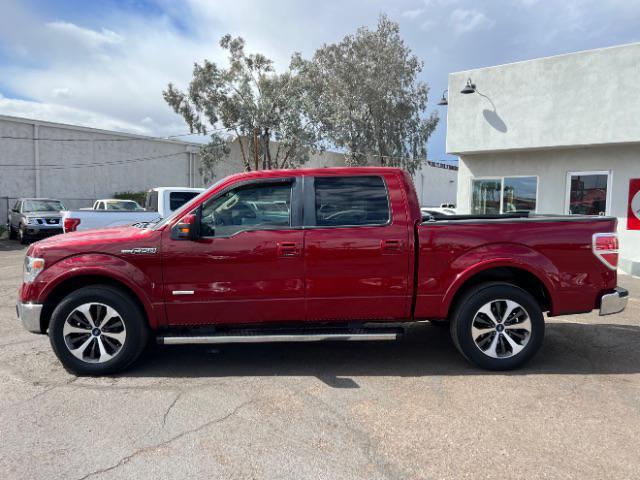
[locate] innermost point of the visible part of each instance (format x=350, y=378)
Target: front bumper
x=29, y=315
x=614, y=302
x=43, y=230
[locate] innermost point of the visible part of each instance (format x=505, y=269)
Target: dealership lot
x=410, y=409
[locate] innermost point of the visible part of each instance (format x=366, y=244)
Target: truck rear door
x=357, y=248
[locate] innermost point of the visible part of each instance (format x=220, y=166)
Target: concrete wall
x=551, y=167
x=585, y=98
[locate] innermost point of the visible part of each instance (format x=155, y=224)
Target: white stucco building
x=552, y=135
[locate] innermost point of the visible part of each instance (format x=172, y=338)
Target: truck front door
x=248, y=264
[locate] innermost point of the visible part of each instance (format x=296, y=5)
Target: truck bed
x=557, y=248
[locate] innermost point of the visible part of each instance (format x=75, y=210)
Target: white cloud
x=61, y=92
x=62, y=114
x=412, y=13
x=465, y=21
x=85, y=35
x=427, y=25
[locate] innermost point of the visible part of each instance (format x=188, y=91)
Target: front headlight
x=32, y=221
x=32, y=268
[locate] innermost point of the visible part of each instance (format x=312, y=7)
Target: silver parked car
x=35, y=218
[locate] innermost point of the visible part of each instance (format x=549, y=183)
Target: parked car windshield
x=42, y=206
x=124, y=205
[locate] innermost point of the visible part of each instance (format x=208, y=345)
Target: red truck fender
x=107, y=266
x=509, y=255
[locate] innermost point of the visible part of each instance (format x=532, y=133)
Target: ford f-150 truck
x=307, y=255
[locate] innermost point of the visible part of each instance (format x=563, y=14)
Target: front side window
x=588, y=194
x=351, y=201
x=504, y=195
x=256, y=207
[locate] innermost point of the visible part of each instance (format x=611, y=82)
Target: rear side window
x=177, y=199
x=351, y=201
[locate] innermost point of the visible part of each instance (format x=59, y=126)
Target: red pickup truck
x=307, y=255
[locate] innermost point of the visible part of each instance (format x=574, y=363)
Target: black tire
x=440, y=324
x=467, y=311
x=22, y=236
x=128, y=312
x=12, y=232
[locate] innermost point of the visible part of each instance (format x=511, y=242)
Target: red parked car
x=306, y=255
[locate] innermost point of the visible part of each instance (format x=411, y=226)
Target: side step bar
x=273, y=338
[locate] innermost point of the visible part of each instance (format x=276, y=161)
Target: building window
x=519, y=194
x=588, y=193
x=504, y=195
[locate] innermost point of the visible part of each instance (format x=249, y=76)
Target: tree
x=247, y=98
x=364, y=96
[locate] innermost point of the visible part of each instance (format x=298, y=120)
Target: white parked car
x=159, y=203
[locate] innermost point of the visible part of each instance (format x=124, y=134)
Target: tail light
x=605, y=247
x=71, y=224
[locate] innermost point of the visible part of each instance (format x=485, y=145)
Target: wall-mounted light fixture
x=443, y=101
x=469, y=87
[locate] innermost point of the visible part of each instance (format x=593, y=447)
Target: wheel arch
x=73, y=283
x=517, y=275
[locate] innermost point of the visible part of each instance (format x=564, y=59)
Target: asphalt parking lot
x=412, y=409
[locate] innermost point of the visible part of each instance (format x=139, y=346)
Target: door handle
x=288, y=249
x=391, y=246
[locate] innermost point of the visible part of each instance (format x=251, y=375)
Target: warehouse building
x=553, y=135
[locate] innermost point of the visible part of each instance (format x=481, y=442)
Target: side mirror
x=186, y=228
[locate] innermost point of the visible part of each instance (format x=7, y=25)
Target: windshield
x=42, y=206
x=185, y=208
x=123, y=205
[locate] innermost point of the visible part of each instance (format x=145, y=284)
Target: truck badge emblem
x=140, y=250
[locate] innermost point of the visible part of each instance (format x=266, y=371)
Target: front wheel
x=97, y=330
x=498, y=326
x=22, y=236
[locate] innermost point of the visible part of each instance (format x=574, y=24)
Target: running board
x=274, y=338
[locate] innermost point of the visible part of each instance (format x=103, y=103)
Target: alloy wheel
x=501, y=328
x=94, y=332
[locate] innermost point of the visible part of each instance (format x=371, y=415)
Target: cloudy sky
x=104, y=64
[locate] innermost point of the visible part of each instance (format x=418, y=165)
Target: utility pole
x=255, y=146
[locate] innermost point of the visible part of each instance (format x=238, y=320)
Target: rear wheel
x=12, y=232
x=97, y=330
x=498, y=326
